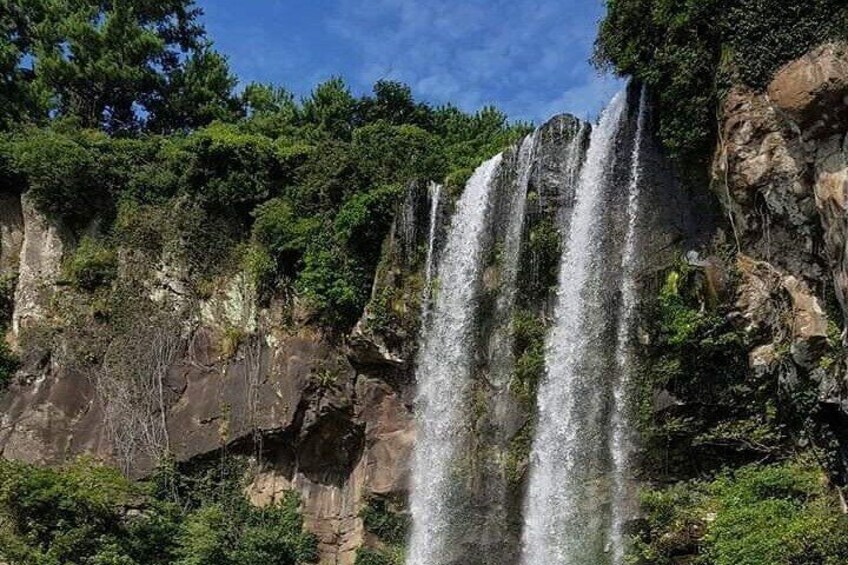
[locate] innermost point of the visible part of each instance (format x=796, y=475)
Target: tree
x=331, y=109
x=196, y=94
x=111, y=64
x=20, y=100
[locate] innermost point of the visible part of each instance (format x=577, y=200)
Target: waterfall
x=444, y=370
x=564, y=517
x=435, y=193
x=621, y=447
x=500, y=344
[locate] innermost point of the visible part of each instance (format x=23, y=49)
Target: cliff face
x=781, y=171
x=332, y=417
x=218, y=375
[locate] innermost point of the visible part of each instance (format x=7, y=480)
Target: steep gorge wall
x=781, y=171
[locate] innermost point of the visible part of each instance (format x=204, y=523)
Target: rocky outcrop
x=291, y=402
x=39, y=265
x=812, y=90
x=782, y=172
x=784, y=175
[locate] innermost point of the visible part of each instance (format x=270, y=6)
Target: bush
x=380, y=519
x=75, y=515
x=365, y=556
x=251, y=536
x=283, y=234
x=334, y=284
x=92, y=265
x=61, y=172
x=229, y=169
x=86, y=513
x=781, y=514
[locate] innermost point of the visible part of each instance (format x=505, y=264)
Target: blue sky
x=527, y=57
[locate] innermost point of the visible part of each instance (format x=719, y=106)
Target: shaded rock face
x=11, y=231
x=782, y=172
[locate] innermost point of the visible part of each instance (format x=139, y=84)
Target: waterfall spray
x=563, y=524
x=443, y=371
x=621, y=447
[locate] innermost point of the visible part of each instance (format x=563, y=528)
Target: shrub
x=89, y=513
x=365, y=556
x=283, y=234
x=364, y=219
x=229, y=169
x=92, y=265
x=61, y=172
x=781, y=514
x=334, y=284
x=244, y=535
x=380, y=519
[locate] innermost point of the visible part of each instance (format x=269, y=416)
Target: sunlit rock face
x=782, y=171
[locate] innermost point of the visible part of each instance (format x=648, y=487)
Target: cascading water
x=564, y=521
x=465, y=499
x=435, y=193
x=621, y=441
x=444, y=370
x=500, y=344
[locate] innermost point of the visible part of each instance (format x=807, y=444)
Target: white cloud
x=529, y=57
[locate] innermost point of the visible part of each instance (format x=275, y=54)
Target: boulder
x=815, y=87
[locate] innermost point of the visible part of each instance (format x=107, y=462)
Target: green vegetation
x=86, y=513
x=738, y=455
x=8, y=361
x=382, y=518
x=92, y=265
x=529, y=350
x=781, y=514
x=711, y=410
x=299, y=193
x=688, y=51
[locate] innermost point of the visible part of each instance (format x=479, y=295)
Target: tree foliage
x=110, y=64
x=315, y=183
x=86, y=513
x=687, y=51
x=780, y=514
